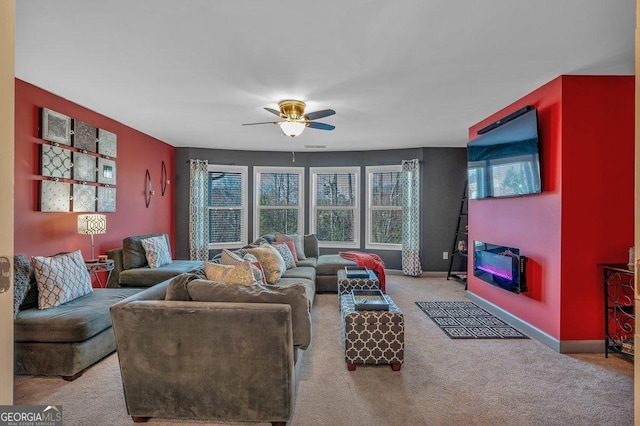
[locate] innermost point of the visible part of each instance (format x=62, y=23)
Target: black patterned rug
x=466, y=320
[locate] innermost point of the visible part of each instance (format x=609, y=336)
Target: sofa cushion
x=157, y=251
x=309, y=261
x=311, y=248
x=133, y=255
x=309, y=286
x=75, y=321
x=286, y=254
x=293, y=295
x=240, y=273
x=61, y=278
x=271, y=261
x=146, y=277
x=292, y=247
x=328, y=264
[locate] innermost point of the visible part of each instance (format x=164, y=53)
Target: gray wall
x=443, y=173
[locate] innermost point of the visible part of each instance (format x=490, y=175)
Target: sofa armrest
x=189, y=359
x=118, y=266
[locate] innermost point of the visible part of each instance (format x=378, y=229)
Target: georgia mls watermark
x=30, y=415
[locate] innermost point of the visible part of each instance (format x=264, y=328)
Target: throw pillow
x=286, y=254
x=291, y=245
x=61, y=278
x=240, y=274
x=297, y=241
x=157, y=251
x=133, y=255
x=228, y=257
x=311, y=245
x=271, y=261
x=255, y=263
x=22, y=272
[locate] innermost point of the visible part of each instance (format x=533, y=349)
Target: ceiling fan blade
x=319, y=114
x=321, y=126
x=273, y=111
x=262, y=122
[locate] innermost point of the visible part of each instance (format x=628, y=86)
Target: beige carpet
x=442, y=382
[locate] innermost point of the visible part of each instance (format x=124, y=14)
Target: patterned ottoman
x=372, y=337
x=345, y=285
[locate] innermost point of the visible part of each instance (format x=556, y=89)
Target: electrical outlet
x=445, y=255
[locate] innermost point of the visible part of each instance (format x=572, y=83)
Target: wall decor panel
x=84, y=167
x=84, y=198
x=55, y=127
x=55, y=161
x=106, y=171
x=106, y=199
x=84, y=136
x=107, y=143
x=54, y=196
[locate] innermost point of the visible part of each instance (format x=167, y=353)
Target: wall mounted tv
x=504, y=161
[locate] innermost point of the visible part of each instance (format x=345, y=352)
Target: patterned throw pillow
x=286, y=254
x=240, y=274
x=297, y=240
x=291, y=245
x=22, y=271
x=271, y=261
x=61, y=278
x=157, y=251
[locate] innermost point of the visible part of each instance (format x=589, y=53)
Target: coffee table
x=372, y=337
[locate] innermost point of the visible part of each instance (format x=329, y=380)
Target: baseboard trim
x=561, y=346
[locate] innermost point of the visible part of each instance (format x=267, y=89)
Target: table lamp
x=92, y=224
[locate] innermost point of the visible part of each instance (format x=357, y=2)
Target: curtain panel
x=411, y=218
x=199, y=210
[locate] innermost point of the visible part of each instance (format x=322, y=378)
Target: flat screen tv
x=505, y=161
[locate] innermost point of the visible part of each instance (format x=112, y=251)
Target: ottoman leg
x=396, y=366
x=351, y=367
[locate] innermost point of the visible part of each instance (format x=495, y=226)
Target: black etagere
x=460, y=248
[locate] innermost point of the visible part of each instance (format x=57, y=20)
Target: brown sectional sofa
x=216, y=351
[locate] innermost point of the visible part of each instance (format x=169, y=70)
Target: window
x=279, y=200
x=227, y=206
x=384, y=207
x=335, y=208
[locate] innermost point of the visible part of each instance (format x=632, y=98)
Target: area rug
x=466, y=320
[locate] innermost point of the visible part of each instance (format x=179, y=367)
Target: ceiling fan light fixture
x=292, y=128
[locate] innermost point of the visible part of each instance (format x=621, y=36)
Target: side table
x=372, y=337
x=97, y=267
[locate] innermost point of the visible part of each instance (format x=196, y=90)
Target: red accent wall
x=39, y=233
x=583, y=217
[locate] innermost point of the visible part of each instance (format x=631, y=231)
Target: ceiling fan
x=294, y=118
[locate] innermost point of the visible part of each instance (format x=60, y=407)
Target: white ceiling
x=403, y=74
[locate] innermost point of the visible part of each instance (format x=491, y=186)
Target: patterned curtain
x=199, y=210
x=411, y=218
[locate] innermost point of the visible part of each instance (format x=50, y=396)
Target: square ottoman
x=372, y=337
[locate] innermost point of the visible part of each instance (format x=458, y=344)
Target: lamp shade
x=92, y=224
x=292, y=128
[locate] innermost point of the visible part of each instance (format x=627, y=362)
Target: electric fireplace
x=500, y=266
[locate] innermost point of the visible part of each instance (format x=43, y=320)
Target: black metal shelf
x=461, y=230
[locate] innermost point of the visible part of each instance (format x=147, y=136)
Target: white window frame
x=370, y=170
x=314, y=172
x=244, y=232
x=257, y=171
